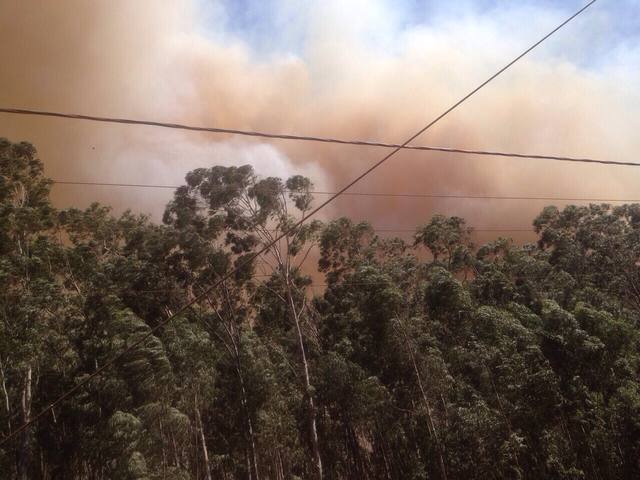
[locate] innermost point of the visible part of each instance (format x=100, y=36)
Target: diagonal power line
x=228, y=275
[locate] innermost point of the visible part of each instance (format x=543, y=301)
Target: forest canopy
x=337, y=354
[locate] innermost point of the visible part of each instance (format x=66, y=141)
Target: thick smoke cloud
x=357, y=71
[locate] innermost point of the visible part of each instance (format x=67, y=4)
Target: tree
x=505, y=361
x=254, y=212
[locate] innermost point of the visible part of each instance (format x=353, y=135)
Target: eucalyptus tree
x=448, y=239
x=253, y=213
x=375, y=328
x=505, y=361
x=32, y=299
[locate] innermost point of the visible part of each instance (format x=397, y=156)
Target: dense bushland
x=435, y=359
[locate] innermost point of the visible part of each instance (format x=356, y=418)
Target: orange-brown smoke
x=150, y=59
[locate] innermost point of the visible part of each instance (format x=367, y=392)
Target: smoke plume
x=356, y=70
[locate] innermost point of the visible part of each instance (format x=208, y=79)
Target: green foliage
x=501, y=362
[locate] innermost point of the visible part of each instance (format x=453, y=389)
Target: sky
x=364, y=69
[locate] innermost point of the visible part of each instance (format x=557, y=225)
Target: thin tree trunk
x=203, y=440
x=234, y=339
x=593, y=462
x=249, y=469
x=245, y=406
x=431, y=424
x=7, y=405
x=252, y=443
x=164, y=455
x=385, y=461
x=275, y=455
x=358, y=463
x=311, y=409
x=176, y=453
x=281, y=466
x=23, y=449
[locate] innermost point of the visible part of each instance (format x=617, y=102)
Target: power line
x=377, y=194
x=307, y=138
x=228, y=275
